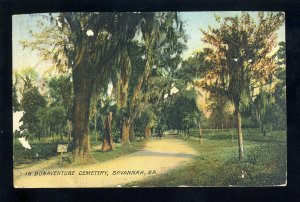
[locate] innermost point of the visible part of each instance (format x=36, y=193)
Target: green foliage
x=60, y=91
x=102, y=105
x=57, y=116
x=217, y=163
x=40, y=150
x=263, y=165
x=181, y=113
x=217, y=105
x=238, y=57
x=153, y=61
x=140, y=54
x=192, y=119
x=52, y=120
x=268, y=108
x=250, y=134
x=239, y=60
x=31, y=102
x=43, y=150
x=25, y=79
x=15, y=103
x=280, y=89
x=95, y=59
x=147, y=118
x=136, y=52
x=192, y=68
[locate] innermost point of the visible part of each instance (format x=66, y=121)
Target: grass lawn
x=40, y=151
x=218, y=164
x=47, y=148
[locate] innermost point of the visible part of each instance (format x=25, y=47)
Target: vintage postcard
x=149, y=99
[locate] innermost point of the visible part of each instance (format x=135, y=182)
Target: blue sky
x=193, y=22
x=21, y=25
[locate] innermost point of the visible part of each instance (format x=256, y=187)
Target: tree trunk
x=200, y=134
x=95, y=126
x=131, y=132
x=121, y=95
x=107, y=142
x=152, y=131
x=264, y=130
x=142, y=79
x=69, y=125
x=82, y=94
x=125, y=132
x=239, y=130
x=147, y=131
x=222, y=126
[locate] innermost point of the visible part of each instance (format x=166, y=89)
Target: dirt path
x=18, y=172
x=157, y=157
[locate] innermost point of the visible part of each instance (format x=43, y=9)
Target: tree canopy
x=115, y=73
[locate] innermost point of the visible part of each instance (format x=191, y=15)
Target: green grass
x=40, y=150
x=248, y=135
x=47, y=148
x=118, y=151
x=218, y=164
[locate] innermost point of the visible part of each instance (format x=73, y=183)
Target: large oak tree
x=163, y=40
x=87, y=43
x=241, y=59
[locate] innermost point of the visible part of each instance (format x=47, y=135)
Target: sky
x=201, y=20
x=23, y=58
x=193, y=21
